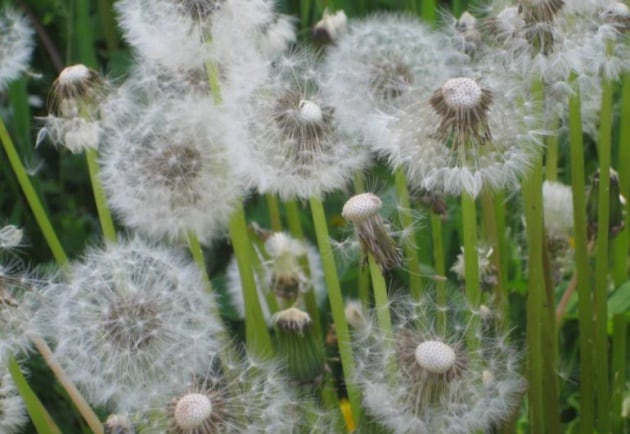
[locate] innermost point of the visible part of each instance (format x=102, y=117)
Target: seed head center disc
x=461, y=93
x=435, y=357
x=192, y=410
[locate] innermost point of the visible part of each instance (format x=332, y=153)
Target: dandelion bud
x=363, y=211
x=616, y=206
x=192, y=410
x=330, y=27
x=296, y=342
x=463, y=106
x=118, y=424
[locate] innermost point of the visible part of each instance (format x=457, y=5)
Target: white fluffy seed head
x=436, y=357
x=461, y=93
x=361, y=207
x=310, y=112
x=192, y=410
x=10, y=236
x=16, y=45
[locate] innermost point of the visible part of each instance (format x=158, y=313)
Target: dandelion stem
x=380, y=298
x=622, y=240
x=551, y=159
x=81, y=404
x=105, y=216
x=532, y=198
x=109, y=25
x=428, y=11
x=587, y=411
x=600, y=297
x=471, y=260
x=295, y=228
x=439, y=265
x=493, y=235
x=363, y=273
x=32, y=198
x=197, y=254
x=619, y=370
x=336, y=301
x=256, y=331
x=42, y=421
x=409, y=247
x=274, y=212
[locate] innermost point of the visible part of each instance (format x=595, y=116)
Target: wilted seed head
x=76, y=85
x=330, y=27
x=10, y=237
x=118, y=424
x=192, y=410
x=305, y=124
x=363, y=211
x=292, y=319
x=355, y=316
x=390, y=78
x=287, y=277
x=199, y=9
x=176, y=167
x=463, y=105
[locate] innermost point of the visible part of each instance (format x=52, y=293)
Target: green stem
x=619, y=370
x=32, y=198
x=42, y=421
x=428, y=11
x=363, y=273
x=622, y=240
x=336, y=302
x=600, y=297
x=109, y=25
x=471, y=265
x=197, y=254
x=551, y=160
x=439, y=266
x=578, y=185
x=458, y=7
x=256, y=331
x=493, y=235
x=410, y=241
x=274, y=212
x=502, y=252
x=294, y=220
x=212, y=70
x=380, y=298
x=104, y=215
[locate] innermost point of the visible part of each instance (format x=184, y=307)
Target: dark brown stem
x=44, y=37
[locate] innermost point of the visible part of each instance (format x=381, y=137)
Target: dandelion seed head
x=361, y=207
x=330, y=27
x=438, y=384
x=16, y=45
x=132, y=320
x=558, y=214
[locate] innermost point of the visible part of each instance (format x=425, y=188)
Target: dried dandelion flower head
x=231, y=394
x=16, y=45
x=132, y=320
x=439, y=385
x=296, y=149
x=464, y=138
x=362, y=210
x=488, y=274
x=77, y=94
x=330, y=27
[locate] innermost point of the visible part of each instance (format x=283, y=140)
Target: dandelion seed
x=363, y=211
x=16, y=45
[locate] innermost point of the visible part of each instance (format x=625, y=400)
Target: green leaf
x=38, y=414
x=619, y=301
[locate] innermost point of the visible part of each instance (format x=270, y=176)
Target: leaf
x=619, y=301
x=37, y=412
